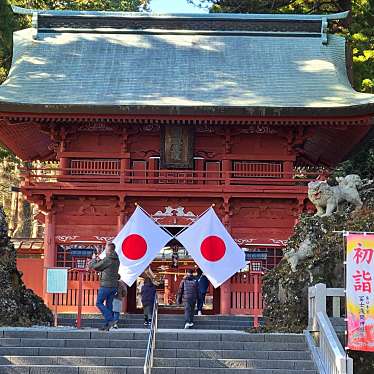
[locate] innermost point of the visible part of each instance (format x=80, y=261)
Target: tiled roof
x=179, y=69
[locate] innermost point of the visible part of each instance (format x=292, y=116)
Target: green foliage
x=361, y=34
x=361, y=163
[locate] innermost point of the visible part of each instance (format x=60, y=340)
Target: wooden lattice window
x=94, y=167
x=258, y=169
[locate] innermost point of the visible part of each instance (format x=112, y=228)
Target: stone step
x=187, y=335
x=98, y=322
x=51, y=333
x=200, y=324
x=71, y=361
x=71, y=343
x=232, y=354
x=69, y=369
x=223, y=370
x=62, y=351
x=224, y=345
x=234, y=363
x=128, y=316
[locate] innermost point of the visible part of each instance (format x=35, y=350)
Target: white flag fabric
x=213, y=248
x=137, y=244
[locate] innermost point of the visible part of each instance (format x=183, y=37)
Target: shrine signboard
x=57, y=280
x=360, y=297
x=177, y=146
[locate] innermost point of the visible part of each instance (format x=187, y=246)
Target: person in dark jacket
x=203, y=284
x=118, y=301
x=187, y=294
x=108, y=267
x=148, y=294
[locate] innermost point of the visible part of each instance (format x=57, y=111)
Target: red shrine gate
x=169, y=267
x=194, y=110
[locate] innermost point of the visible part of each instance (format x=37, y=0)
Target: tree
x=18, y=306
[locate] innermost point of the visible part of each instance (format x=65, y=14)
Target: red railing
x=94, y=167
x=258, y=169
x=246, y=294
x=129, y=176
x=82, y=293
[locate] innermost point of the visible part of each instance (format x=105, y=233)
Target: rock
x=19, y=306
x=286, y=291
x=314, y=254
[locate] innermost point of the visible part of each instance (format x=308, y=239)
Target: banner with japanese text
x=360, y=298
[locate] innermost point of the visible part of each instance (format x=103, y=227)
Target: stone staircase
x=205, y=352
x=68, y=351
x=169, y=321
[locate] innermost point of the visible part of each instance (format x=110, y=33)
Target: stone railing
x=329, y=355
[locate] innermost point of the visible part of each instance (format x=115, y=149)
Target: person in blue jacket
x=203, y=284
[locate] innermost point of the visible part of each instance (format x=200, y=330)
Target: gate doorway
x=169, y=268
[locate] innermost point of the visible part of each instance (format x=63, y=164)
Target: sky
x=174, y=6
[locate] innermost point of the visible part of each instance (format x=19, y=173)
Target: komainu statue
x=304, y=251
x=326, y=198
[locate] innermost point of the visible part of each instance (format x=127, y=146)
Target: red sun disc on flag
x=134, y=247
x=213, y=248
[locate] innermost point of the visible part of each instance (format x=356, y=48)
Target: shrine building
x=176, y=113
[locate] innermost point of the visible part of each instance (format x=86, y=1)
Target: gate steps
x=70, y=351
x=225, y=352
x=166, y=321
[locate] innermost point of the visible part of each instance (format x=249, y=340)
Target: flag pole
x=162, y=227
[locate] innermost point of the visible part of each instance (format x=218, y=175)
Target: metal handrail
x=329, y=352
x=148, y=363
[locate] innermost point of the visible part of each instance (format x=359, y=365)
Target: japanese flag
x=137, y=244
x=212, y=248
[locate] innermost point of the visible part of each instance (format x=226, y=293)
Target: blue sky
x=174, y=6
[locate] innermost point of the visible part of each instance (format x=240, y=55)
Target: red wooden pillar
x=225, y=298
x=124, y=168
x=288, y=169
x=120, y=221
x=64, y=164
x=49, y=249
x=226, y=168
x=199, y=170
x=152, y=170
x=257, y=299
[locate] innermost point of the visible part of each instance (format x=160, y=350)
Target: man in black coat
x=108, y=267
x=188, y=294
